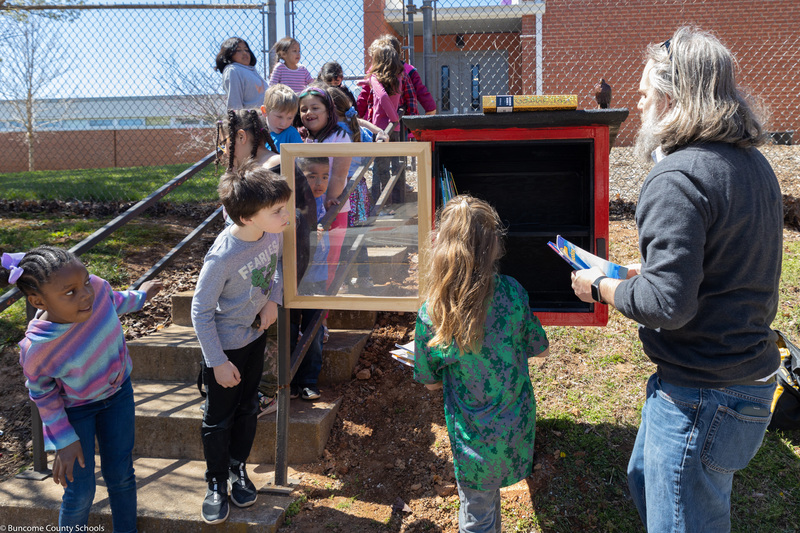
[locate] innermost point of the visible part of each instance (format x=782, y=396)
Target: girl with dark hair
x=332, y=74
x=288, y=70
x=243, y=136
x=242, y=84
x=77, y=371
x=321, y=125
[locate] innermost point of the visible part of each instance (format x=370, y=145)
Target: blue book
x=580, y=259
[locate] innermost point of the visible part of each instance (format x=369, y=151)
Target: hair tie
x=350, y=113
x=11, y=262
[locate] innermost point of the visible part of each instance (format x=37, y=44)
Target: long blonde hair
x=464, y=258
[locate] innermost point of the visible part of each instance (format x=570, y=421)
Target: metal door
x=461, y=78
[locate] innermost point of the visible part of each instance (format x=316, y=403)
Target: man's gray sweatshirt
x=710, y=221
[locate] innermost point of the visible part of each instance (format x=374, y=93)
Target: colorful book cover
x=580, y=259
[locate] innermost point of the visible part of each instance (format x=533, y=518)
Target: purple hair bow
x=11, y=262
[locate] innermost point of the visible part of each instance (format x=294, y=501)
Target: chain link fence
x=97, y=87
x=106, y=86
x=485, y=47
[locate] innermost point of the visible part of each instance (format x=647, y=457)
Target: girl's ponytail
x=232, y=128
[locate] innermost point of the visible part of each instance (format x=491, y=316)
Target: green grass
x=788, y=317
x=106, y=260
x=108, y=184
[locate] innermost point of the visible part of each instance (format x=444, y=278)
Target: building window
x=101, y=123
x=445, y=88
x=157, y=121
x=130, y=122
x=476, y=87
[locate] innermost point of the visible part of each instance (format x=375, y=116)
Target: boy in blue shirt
x=279, y=109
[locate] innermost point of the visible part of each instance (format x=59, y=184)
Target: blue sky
x=123, y=52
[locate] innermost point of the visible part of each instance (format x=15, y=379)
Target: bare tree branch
x=33, y=58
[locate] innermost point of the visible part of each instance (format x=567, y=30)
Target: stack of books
x=529, y=102
x=404, y=354
x=447, y=186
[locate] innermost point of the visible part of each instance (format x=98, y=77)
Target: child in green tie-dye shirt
x=474, y=335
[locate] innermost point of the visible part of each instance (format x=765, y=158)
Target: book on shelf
x=529, y=102
x=447, y=186
x=404, y=353
x=580, y=259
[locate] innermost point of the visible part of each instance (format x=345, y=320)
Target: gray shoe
x=215, y=505
x=243, y=492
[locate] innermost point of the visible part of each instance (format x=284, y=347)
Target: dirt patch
x=387, y=465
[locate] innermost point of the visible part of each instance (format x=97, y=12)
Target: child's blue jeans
x=690, y=443
x=308, y=371
x=112, y=422
x=479, y=511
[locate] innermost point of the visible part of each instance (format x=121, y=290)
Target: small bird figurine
x=602, y=93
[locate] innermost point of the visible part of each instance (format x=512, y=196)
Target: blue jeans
x=308, y=371
x=112, y=422
x=690, y=443
x=479, y=511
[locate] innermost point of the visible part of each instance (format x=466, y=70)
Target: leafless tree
x=33, y=58
x=204, y=102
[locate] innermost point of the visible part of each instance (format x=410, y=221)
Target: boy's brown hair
x=246, y=190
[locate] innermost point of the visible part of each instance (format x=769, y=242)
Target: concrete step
x=182, y=315
x=174, y=354
x=168, y=418
x=170, y=493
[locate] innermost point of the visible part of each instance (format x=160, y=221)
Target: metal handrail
x=98, y=236
x=40, y=469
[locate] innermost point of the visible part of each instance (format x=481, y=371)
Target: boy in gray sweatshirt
x=240, y=281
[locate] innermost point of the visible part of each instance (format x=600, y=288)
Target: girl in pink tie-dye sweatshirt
x=77, y=371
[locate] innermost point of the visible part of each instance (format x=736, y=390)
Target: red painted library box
x=546, y=173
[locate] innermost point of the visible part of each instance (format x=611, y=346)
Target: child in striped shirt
x=77, y=371
x=290, y=72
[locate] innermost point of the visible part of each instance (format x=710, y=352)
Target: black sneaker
x=294, y=392
x=215, y=505
x=309, y=393
x=243, y=492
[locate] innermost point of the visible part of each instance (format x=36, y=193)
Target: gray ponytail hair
x=697, y=74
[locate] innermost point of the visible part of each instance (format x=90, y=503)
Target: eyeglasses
x=223, y=145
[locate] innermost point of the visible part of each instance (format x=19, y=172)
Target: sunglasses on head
x=666, y=44
x=311, y=92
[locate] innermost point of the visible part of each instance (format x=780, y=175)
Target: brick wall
x=585, y=40
x=62, y=150
x=761, y=34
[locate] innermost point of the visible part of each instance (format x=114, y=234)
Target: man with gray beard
x=710, y=225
